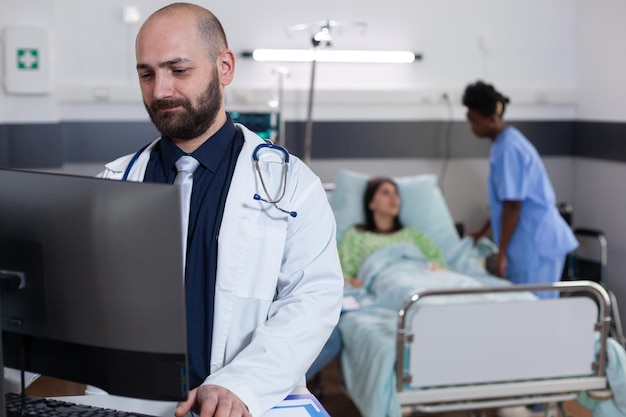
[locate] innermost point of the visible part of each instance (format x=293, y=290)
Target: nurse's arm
x=510, y=216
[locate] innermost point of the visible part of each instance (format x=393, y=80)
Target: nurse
x=532, y=237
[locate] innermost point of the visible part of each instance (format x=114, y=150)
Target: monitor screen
x=91, y=282
x=262, y=123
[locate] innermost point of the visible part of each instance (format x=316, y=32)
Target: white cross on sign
x=28, y=59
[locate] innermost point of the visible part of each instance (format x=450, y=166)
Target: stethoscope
x=255, y=157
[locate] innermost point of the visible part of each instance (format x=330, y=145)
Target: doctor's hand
x=212, y=401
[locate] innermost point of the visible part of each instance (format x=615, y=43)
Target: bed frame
x=502, y=354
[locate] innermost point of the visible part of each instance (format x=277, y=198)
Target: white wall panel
x=601, y=61
x=599, y=202
x=93, y=49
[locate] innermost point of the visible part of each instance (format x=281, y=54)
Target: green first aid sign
x=27, y=59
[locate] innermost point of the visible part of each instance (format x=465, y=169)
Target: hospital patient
x=382, y=227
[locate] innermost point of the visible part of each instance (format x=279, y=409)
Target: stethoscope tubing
x=255, y=157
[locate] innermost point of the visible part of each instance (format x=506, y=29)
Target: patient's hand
x=435, y=266
x=355, y=282
x=476, y=235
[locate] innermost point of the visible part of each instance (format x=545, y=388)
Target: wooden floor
x=330, y=390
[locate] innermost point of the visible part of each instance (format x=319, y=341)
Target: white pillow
x=423, y=206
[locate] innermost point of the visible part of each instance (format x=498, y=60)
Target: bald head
x=210, y=32
x=183, y=65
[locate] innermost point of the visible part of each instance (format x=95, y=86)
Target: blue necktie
x=186, y=165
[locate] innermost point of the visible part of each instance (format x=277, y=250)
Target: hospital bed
x=517, y=353
x=589, y=262
x=504, y=348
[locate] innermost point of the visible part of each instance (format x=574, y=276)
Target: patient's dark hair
x=370, y=189
x=484, y=99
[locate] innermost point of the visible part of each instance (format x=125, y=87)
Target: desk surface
x=301, y=403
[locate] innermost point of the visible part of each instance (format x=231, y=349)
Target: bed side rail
x=587, y=287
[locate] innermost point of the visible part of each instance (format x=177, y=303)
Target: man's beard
x=194, y=121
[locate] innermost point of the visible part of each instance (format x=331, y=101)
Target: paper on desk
x=13, y=380
x=298, y=405
x=350, y=303
x=294, y=405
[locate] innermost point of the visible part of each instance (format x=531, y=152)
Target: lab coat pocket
x=261, y=263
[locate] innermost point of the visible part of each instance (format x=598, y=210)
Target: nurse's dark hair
x=484, y=99
x=368, y=195
x=210, y=30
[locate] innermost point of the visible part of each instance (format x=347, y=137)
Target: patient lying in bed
x=382, y=255
x=388, y=272
x=382, y=227
x=383, y=262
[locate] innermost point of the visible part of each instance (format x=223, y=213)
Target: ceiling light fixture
x=333, y=55
x=321, y=38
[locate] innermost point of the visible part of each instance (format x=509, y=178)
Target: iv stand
x=323, y=36
x=308, y=133
x=277, y=102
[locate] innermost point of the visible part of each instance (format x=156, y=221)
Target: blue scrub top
x=517, y=173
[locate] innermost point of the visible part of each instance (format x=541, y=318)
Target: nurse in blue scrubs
x=533, y=239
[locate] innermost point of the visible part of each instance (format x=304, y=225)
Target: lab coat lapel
x=234, y=236
x=234, y=240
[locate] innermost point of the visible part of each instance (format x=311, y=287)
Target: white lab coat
x=279, y=282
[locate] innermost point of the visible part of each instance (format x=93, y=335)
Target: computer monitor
x=92, y=285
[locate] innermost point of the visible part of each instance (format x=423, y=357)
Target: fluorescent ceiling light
x=332, y=55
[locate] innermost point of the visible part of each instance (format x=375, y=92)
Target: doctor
x=532, y=237
x=263, y=288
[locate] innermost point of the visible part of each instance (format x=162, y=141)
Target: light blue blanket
x=369, y=334
x=616, y=375
x=394, y=272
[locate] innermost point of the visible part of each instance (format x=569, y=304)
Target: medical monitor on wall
x=92, y=287
x=263, y=124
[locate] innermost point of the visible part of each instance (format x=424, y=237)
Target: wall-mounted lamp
x=332, y=55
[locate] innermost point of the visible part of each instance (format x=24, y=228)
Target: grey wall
x=52, y=145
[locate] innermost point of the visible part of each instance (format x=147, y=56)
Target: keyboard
x=46, y=407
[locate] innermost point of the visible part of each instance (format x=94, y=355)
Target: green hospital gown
x=357, y=245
